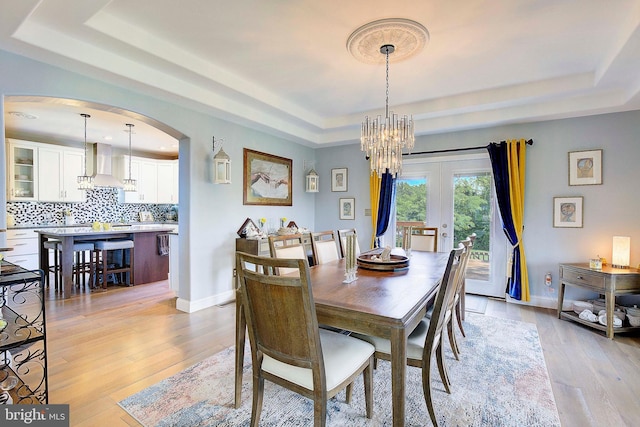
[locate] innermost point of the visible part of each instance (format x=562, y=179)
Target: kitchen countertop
x=114, y=224
x=87, y=230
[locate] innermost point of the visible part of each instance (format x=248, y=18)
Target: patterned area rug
x=500, y=380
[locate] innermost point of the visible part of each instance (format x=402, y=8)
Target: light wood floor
x=103, y=347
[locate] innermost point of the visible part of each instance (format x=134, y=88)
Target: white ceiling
x=283, y=66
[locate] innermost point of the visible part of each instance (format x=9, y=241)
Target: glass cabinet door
x=22, y=161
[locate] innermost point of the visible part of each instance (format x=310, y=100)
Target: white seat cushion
x=342, y=356
x=110, y=245
x=326, y=251
x=415, y=341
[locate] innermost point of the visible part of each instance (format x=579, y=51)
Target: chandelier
x=129, y=184
x=85, y=182
x=383, y=141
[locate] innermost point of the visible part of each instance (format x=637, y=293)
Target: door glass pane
x=411, y=203
x=472, y=214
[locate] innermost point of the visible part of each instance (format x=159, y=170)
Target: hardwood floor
x=103, y=347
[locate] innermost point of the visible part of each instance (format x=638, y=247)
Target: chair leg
x=319, y=412
x=256, y=406
x=368, y=388
x=426, y=389
x=444, y=376
x=459, y=317
x=452, y=339
x=348, y=393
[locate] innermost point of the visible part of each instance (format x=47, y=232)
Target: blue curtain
x=500, y=164
x=387, y=193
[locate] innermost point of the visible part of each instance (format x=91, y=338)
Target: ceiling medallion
x=407, y=36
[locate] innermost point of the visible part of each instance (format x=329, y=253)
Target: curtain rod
x=450, y=150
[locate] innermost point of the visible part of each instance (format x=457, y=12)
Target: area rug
x=500, y=380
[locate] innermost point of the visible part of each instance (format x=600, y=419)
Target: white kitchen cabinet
x=168, y=181
x=24, y=242
x=22, y=161
x=59, y=168
x=156, y=180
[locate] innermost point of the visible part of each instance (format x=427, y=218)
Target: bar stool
x=103, y=248
x=80, y=265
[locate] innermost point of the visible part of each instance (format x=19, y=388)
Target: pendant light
x=85, y=182
x=129, y=184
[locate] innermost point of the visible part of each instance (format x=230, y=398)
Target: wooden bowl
x=395, y=263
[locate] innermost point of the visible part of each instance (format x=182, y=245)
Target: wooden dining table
x=387, y=304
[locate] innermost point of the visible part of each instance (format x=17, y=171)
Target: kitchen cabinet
x=156, y=180
x=59, y=168
x=24, y=242
x=22, y=161
x=23, y=352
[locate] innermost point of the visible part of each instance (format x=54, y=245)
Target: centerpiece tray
x=370, y=261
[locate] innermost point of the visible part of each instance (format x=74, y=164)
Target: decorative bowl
x=633, y=311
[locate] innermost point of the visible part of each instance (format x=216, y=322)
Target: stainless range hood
x=102, y=176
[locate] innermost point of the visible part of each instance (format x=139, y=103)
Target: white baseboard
x=192, y=306
x=543, y=302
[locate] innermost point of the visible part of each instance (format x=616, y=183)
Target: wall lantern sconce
x=221, y=165
x=620, y=252
x=313, y=182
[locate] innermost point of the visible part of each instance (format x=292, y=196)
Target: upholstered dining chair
x=325, y=247
x=422, y=239
x=459, y=309
x=426, y=339
x=287, y=347
x=342, y=236
x=287, y=246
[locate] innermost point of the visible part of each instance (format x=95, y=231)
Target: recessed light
x=22, y=115
x=108, y=137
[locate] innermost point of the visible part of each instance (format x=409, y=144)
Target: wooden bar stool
x=80, y=265
x=103, y=248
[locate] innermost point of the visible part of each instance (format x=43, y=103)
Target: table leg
x=398, y=375
x=241, y=324
x=609, y=302
x=66, y=263
x=560, y=298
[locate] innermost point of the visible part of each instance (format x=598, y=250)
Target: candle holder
x=350, y=275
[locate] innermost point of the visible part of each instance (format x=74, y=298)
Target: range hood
x=102, y=176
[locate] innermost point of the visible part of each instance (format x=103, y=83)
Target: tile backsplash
x=101, y=205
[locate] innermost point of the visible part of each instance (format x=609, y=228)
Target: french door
x=457, y=195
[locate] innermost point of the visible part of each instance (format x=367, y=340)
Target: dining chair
x=325, y=247
x=453, y=308
x=422, y=239
x=426, y=339
x=342, y=236
x=287, y=346
x=459, y=309
x=287, y=246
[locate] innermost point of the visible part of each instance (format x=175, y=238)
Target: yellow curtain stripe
x=374, y=194
x=517, y=169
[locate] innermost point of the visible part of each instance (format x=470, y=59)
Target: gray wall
x=609, y=209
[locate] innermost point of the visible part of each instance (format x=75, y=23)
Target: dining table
x=386, y=304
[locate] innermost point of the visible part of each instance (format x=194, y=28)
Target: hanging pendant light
x=129, y=184
x=85, y=182
x=383, y=141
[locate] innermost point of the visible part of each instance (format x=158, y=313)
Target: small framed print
x=339, y=179
x=567, y=212
x=585, y=167
x=348, y=208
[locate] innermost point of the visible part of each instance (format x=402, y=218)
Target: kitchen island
x=149, y=266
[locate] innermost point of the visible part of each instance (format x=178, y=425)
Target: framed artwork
x=339, y=179
x=348, y=208
x=585, y=167
x=266, y=179
x=567, y=212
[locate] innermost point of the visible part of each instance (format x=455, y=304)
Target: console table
x=609, y=282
